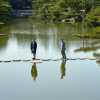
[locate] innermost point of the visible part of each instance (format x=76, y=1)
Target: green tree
x=4, y=11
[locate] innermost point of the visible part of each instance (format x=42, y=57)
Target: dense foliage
x=93, y=16
x=54, y=10
x=4, y=11
x=57, y=10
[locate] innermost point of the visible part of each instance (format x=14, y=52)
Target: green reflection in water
x=63, y=69
x=48, y=35
x=3, y=42
x=4, y=36
x=34, y=71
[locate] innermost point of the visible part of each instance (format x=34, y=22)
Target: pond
x=50, y=78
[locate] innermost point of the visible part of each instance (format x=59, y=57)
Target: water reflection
x=34, y=72
x=48, y=37
x=63, y=69
x=3, y=42
x=4, y=37
x=86, y=49
x=17, y=46
x=88, y=45
x=97, y=56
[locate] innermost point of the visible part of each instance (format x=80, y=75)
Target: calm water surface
x=48, y=80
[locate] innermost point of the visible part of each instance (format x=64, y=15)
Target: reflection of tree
x=34, y=71
x=4, y=30
x=22, y=39
x=63, y=69
x=3, y=42
x=87, y=46
x=97, y=56
x=86, y=49
x=94, y=45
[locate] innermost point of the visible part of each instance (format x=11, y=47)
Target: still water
x=48, y=80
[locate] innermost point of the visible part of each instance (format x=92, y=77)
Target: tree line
x=57, y=10
x=60, y=10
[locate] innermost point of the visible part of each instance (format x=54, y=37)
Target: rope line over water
x=43, y=60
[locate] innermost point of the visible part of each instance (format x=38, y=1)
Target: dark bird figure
x=34, y=48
